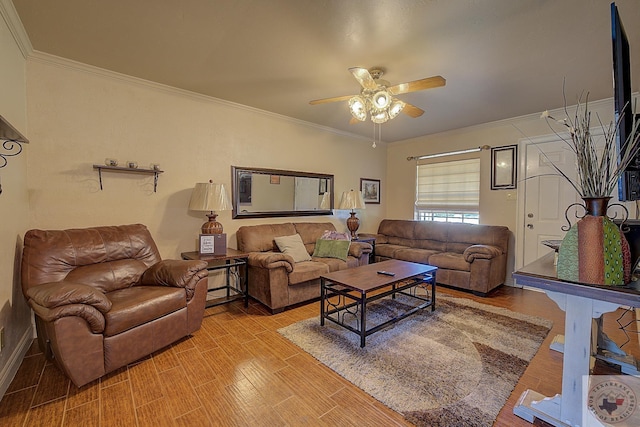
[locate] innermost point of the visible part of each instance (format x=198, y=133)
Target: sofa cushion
x=292, y=245
x=450, y=261
x=388, y=250
x=332, y=249
x=414, y=255
x=259, y=238
x=335, y=235
x=141, y=304
x=109, y=276
x=336, y=264
x=307, y=270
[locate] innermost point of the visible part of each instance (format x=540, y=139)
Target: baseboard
x=12, y=366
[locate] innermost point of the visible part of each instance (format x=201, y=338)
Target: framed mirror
x=262, y=193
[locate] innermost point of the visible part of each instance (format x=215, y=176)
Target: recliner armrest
x=57, y=294
x=93, y=317
x=481, y=252
x=271, y=260
x=176, y=273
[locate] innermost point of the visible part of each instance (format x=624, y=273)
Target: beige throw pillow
x=292, y=245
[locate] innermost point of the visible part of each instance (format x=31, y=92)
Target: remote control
x=387, y=273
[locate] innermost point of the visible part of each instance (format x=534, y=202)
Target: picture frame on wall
x=504, y=171
x=370, y=189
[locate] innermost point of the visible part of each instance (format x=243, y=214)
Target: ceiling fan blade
x=334, y=99
x=416, y=85
x=412, y=110
x=363, y=77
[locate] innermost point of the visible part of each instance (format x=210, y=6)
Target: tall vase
x=594, y=250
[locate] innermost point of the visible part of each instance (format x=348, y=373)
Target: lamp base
x=212, y=226
x=353, y=223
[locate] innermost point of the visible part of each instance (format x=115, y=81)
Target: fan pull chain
x=374, y=134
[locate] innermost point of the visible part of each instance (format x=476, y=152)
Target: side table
x=372, y=242
x=233, y=259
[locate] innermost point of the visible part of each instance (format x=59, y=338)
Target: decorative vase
x=594, y=250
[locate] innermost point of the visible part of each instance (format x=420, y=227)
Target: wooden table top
x=231, y=254
x=366, y=278
x=542, y=274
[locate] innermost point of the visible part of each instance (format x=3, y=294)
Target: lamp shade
x=208, y=196
x=352, y=199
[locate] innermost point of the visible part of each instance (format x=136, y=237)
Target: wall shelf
x=154, y=172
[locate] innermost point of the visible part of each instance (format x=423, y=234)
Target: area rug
x=455, y=366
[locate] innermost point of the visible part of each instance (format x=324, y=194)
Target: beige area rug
x=455, y=366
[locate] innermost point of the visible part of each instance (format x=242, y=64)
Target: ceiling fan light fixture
x=357, y=106
x=381, y=99
x=395, y=108
x=379, y=116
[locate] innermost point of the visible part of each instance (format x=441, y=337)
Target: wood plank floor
x=238, y=371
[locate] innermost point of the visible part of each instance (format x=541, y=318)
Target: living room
x=76, y=115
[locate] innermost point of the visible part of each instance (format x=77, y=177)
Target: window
x=448, y=191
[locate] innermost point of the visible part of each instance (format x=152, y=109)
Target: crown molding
x=10, y=16
x=42, y=57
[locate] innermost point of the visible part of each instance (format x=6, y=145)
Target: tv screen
x=629, y=183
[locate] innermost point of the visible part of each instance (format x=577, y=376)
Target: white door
x=546, y=195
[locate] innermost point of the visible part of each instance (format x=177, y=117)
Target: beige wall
x=79, y=116
x=15, y=316
x=495, y=207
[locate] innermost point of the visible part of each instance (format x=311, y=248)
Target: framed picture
x=207, y=244
x=504, y=171
x=370, y=189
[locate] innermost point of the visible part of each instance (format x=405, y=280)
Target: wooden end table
x=232, y=259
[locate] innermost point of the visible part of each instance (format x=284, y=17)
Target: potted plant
x=594, y=250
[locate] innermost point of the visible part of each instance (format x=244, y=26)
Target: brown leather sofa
x=103, y=298
x=468, y=256
x=275, y=279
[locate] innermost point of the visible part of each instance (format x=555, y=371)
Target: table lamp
x=210, y=197
x=352, y=200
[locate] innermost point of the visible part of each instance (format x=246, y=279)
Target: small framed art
x=504, y=169
x=207, y=244
x=370, y=189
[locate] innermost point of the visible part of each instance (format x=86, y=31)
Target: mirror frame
x=236, y=171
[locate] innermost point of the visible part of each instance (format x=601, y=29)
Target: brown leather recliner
x=103, y=298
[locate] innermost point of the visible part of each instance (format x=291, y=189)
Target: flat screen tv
x=629, y=182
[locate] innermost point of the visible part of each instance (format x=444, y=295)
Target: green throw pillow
x=332, y=249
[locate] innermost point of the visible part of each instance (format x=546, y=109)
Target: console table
x=581, y=303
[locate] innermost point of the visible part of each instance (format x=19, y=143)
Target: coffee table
x=356, y=287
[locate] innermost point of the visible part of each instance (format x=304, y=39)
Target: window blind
x=453, y=185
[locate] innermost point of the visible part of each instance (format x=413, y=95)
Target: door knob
x=530, y=226
x=530, y=215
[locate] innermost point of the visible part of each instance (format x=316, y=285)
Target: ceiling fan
x=377, y=96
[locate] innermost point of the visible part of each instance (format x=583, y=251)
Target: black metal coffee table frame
x=354, y=301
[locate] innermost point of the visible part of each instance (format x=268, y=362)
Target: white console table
x=581, y=303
